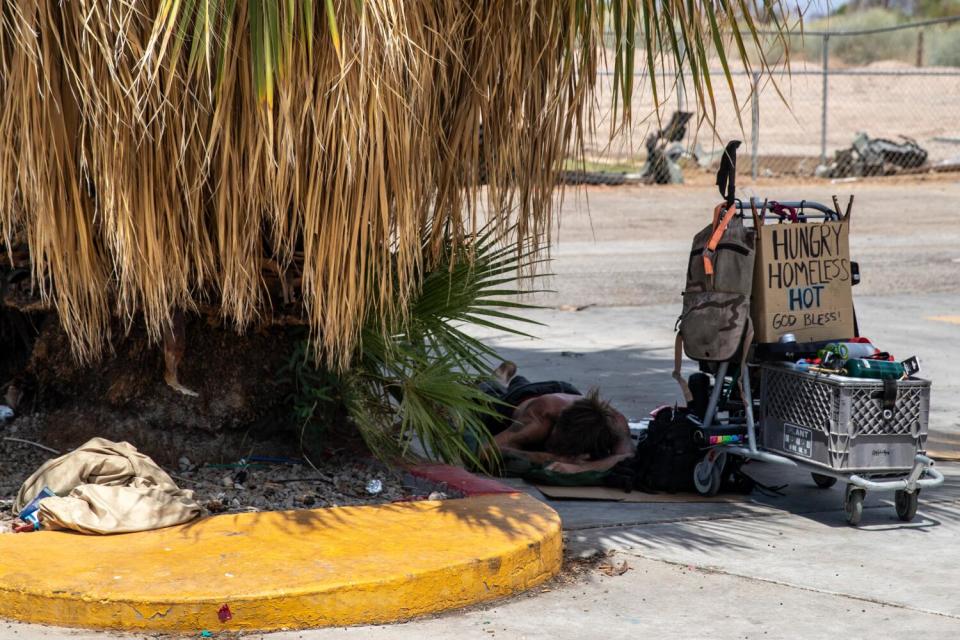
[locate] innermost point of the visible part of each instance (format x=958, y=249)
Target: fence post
x=755, y=129
x=823, y=113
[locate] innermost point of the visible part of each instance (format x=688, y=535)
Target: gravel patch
x=337, y=480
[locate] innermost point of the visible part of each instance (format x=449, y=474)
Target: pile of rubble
x=874, y=157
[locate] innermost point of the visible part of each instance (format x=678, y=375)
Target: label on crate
x=797, y=440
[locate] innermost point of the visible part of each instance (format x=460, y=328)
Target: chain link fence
x=873, y=101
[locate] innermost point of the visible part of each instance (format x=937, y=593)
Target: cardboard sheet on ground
x=616, y=495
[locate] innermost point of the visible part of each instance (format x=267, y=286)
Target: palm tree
x=267, y=157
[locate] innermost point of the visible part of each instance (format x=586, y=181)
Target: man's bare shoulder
x=547, y=404
x=533, y=418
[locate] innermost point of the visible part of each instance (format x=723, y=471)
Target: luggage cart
x=836, y=428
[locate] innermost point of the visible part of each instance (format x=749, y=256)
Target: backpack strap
x=757, y=215
x=677, y=364
x=720, y=224
x=744, y=372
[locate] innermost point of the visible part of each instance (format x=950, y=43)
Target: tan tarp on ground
x=109, y=487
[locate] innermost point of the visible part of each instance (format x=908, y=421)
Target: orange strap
x=719, y=228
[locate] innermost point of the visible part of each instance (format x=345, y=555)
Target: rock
x=215, y=506
x=227, y=481
x=13, y=396
x=437, y=495
x=185, y=464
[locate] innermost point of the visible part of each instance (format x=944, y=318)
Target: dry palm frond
x=157, y=153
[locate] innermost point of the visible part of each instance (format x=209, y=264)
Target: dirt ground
x=922, y=107
x=206, y=442
x=273, y=481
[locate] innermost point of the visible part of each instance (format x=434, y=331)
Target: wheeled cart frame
x=708, y=472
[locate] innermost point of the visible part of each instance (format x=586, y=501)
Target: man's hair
x=585, y=427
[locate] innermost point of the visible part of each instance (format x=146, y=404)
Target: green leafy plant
x=314, y=394
x=416, y=379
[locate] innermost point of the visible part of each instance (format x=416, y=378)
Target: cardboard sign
x=801, y=282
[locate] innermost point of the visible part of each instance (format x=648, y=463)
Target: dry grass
x=158, y=154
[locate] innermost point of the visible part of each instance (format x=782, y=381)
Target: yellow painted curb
x=289, y=569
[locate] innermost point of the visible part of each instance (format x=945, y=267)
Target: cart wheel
x=708, y=476
x=907, y=504
x=822, y=481
x=853, y=504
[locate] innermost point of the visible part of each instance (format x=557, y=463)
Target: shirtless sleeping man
x=552, y=424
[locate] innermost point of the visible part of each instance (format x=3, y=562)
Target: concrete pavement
x=653, y=599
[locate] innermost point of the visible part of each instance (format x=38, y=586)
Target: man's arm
x=531, y=430
x=535, y=457
x=602, y=464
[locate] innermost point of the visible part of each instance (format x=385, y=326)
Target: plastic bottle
x=875, y=369
x=855, y=349
x=30, y=514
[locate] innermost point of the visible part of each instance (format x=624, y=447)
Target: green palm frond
x=418, y=378
x=442, y=407
x=478, y=285
x=425, y=370
x=680, y=34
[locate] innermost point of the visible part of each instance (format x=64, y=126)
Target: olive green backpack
x=715, y=322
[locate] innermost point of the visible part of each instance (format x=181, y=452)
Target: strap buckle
x=889, y=399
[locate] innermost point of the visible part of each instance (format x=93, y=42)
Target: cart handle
x=765, y=209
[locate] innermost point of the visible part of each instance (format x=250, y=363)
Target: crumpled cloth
x=107, y=487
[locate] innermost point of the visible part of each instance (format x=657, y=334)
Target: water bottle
x=875, y=369
x=848, y=350
x=29, y=513
x=859, y=349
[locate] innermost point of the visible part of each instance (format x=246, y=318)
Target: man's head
x=585, y=427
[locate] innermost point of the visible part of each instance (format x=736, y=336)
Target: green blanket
x=539, y=475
